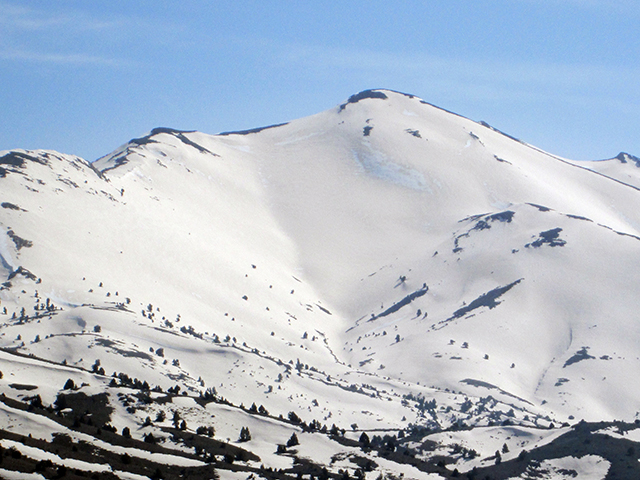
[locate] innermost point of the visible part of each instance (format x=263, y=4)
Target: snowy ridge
x=385, y=266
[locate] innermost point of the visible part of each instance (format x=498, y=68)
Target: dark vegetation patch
x=472, y=218
x=323, y=309
x=13, y=159
x=505, y=216
x=405, y=301
x=578, y=217
x=24, y=272
x=549, y=237
x=580, y=441
x=623, y=234
x=142, y=141
x=364, y=463
x=208, y=447
x=502, y=160
x=68, y=182
x=117, y=162
x=17, y=159
x=479, y=383
x=170, y=131
x=540, y=207
x=195, y=145
x=626, y=157
x=488, y=299
x=20, y=242
x=363, y=95
x=93, y=454
x=94, y=407
x=179, y=134
x=457, y=248
x=22, y=386
x=485, y=124
x=95, y=170
x=103, y=342
x=415, y=133
x=11, y=206
x=213, y=453
x=578, y=357
x=483, y=223
x=253, y=130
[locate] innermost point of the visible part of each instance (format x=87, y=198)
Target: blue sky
x=83, y=77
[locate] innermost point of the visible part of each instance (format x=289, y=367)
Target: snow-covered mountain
x=384, y=266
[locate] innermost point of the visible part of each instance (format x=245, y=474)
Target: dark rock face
x=363, y=95
x=550, y=237
x=488, y=299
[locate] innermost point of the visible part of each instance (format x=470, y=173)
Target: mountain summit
x=385, y=264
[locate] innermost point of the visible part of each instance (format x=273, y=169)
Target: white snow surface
x=12, y=475
x=589, y=467
x=288, y=267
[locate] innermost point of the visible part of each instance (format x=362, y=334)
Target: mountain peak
x=386, y=265
x=378, y=93
x=625, y=157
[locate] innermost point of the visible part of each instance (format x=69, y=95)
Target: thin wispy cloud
x=20, y=18
x=626, y=7
x=70, y=37
x=557, y=75
x=60, y=58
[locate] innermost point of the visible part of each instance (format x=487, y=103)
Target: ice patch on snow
x=409, y=114
x=297, y=139
x=5, y=255
x=377, y=164
x=241, y=148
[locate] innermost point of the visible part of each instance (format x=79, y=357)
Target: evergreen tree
x=293, y=440
x=245, y=434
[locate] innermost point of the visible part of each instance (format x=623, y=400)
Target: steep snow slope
x=333, y=265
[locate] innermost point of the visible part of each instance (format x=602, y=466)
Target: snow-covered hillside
x=384, y=266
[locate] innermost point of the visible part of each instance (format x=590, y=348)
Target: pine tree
x=245, y=435
x=293, y=440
